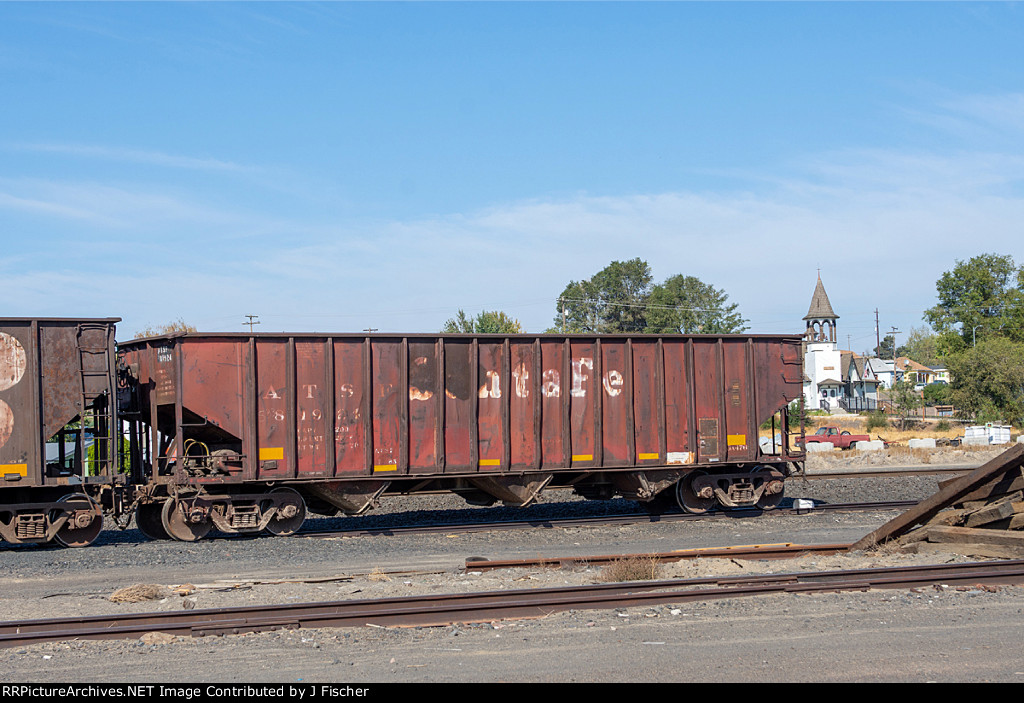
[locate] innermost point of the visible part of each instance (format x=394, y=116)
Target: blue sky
x=338, y=166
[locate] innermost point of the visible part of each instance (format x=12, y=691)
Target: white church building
x=823, y=362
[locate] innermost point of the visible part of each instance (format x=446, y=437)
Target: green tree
x=485, y=323
x=578, y=308
x=886, y=349
x=612, y=300
x=922, y=346
x=987, y=381
x=688, y=305
x=620, y=298
x=980, y=298
x=905, y=400
x=936, y=394
x=949, y=343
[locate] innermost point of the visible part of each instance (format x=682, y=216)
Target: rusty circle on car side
x=12, y=361
x=6, y=422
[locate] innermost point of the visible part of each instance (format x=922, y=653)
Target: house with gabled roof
x=940, y=374
x=861, y=388
x=881, y=371
x=913, y=372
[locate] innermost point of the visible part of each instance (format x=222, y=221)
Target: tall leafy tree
x=620, y=298
x=980, y=324
x=905, y=400
x=612, y=300
x=688, y=305
x=987, y=381
x=922, y=346
x=886, y=348
x=579, y=309
x=486, y=322
x=980, y=298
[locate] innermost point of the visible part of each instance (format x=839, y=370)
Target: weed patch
x=632, y=569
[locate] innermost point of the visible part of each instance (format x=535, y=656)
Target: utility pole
x=894, y=333
x=252, y=321
x=878, y=342
x=371, y=329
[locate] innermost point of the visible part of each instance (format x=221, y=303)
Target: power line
x=639, y=305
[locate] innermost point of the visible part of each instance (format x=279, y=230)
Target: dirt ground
x=901, y=456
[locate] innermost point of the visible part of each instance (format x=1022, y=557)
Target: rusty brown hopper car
x=58, y=421
x=243, y=432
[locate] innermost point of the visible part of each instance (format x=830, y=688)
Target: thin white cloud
x=112, y=206
x=973, y=118
x=154, y=158
x=1001, y=111
x=9, y=201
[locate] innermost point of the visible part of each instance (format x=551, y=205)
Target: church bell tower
x=820, y=318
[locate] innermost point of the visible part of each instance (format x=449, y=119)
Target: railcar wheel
x=83, y=526
x=290, y=516
x=179, y=527
x=687, y=497
x=773, y=492
x=150, y=522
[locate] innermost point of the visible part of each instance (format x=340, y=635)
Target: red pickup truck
x=842, y=440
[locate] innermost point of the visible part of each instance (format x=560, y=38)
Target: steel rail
x=438, y=610
x=922, y=470
x=758, y=551
x=624, y=519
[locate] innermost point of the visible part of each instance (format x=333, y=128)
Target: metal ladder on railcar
x=104, y=449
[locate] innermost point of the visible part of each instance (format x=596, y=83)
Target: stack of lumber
x=988, y=522
x=979, y=514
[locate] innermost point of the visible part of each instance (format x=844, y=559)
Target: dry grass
x=923, y=429
x=857, y=425
x=377, y=575
x=580, y=564
x=138, y=593
x=889, y=548
x=632, y=569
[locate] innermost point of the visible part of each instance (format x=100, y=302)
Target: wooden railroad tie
x=977, y=514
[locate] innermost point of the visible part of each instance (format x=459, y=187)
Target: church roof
x=820, y=307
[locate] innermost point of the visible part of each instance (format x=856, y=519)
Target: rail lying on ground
x=438, y=610
x=759, y=551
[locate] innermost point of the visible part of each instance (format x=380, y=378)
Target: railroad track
x=631, y=518
x=642, y=517
x=534, y=523
x=758, y=551
x=439, y=610
x=892, y=471
x=623, y=519
x=637, y=517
